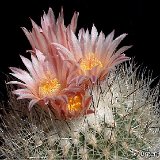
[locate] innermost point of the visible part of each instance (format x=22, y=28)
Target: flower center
x=49, y=87
x=90, y=62
x=74, y=103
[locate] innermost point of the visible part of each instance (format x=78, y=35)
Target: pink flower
x=41, y=38
x=50, y=84
x=96, y=55
x=74, y=106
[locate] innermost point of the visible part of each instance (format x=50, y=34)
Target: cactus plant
x=122, y=127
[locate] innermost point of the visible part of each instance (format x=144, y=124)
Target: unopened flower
x=95, y=55
x=47, y=83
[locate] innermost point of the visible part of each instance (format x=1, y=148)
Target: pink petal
x=74, y=46
x=32, y=103
x=73, y=24
x=94, y=35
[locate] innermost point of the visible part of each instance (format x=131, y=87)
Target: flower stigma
x=90, y=62
x=74, y=103
x=49, y=87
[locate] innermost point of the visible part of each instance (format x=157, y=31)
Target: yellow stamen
x=48, y=87
x=74, y=103
x=90, y=62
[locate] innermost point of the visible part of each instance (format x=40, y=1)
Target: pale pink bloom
x=51, y=30
x=96, y=55
x=50, y=84
x=72, y=106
